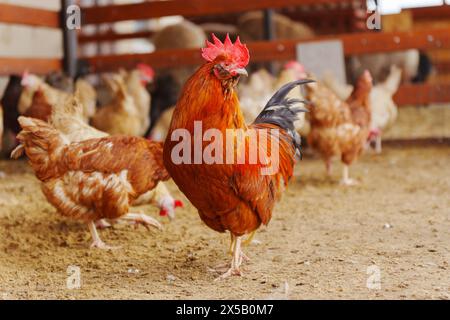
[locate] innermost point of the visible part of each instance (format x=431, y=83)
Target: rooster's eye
x=221, y=71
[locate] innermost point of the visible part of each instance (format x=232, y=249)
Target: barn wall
x=23, y=41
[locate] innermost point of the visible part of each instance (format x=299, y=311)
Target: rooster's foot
x=102, y=224
x=236, y=271
x=146, y=221
x=99, y=244
x=349, y=182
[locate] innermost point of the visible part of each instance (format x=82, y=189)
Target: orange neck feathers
x=204, y=98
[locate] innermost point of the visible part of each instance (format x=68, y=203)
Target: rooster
x=293, y=71
x=340, y=128
x=232, y=197
x=93, y=179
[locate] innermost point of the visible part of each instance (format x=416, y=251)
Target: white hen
x=384, y=110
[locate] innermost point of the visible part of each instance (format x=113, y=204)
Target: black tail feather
x=282, y=111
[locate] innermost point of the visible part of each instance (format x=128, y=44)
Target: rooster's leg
x=102, y=224
x=236, y=261
x=140, y=218
x=378, y=144
x=97, y=242
x=249, y=241
x=328, y=167
x=345, y=177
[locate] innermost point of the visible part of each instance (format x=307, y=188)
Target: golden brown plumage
x=122, y=115
x=231, y=197
x=339, y=128
x=68, y=120
x=136, y=82
x=92, y=179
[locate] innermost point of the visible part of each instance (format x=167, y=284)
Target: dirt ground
x=324, y=241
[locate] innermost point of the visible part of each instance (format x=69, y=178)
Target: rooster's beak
x=241, y=71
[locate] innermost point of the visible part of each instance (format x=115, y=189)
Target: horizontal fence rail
x=422, y=94
x=29, y=16
x=19, y=65
x=191, y=8
x=113, y=36
x=354, y=44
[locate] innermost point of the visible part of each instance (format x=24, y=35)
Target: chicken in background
x=160, y=197
x=121, y=116
x=262, y=85
x=2, y=174
x=87, y=95
x=38, y=98
x=60, y=81
x=10, y=101
x=68, y=119
x=94, y=179
x=255, y=93
x=160, y=129
x=293, y=71
x=48, y=96
x=249, y=26
x=340, y=128
x=342, y=90
x=1, y=127
x=232, y=197
x=168, y=83
x=137, y=81
x=384, y=109
x=379, y=64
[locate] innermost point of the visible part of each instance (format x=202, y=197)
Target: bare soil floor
x=324, y=241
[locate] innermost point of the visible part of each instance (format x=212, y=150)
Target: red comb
x=367, y=76
x=146, y=69
x=236, y=52
x=179, y=204
x=293, y=64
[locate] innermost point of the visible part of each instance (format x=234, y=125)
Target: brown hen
x=92, y=179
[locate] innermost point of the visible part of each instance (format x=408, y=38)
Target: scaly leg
x=328, y=167
x=378, y=144
x=249, y=240
x=97, y=242
x=236, y=261
x=140, y=218
x=102, y=224
x=345, y=177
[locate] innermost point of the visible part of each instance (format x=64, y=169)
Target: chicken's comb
x=236, y=52
x=145, y=68
x=367, y=76
x=179, y=204
x=25, y=76
x=295, y=65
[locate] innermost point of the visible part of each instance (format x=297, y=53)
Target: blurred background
x=374, y=35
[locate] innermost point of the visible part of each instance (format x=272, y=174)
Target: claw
x=101, y=245
x=231, y=272
x=146, y=221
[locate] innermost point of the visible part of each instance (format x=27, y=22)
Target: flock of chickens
x=95, y=164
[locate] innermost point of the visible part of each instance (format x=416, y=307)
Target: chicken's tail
x=282, y=112
x=42, y=144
